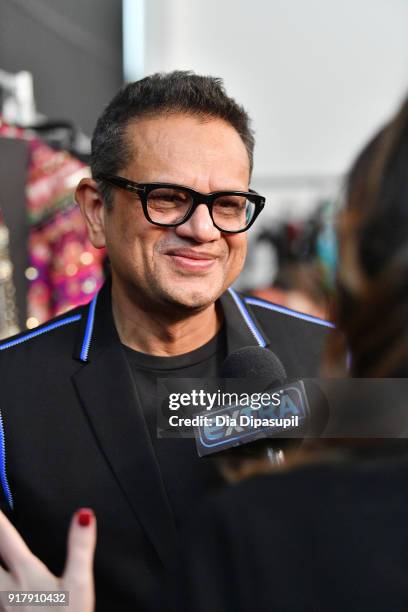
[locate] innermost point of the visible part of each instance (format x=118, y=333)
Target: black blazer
x=72, y=435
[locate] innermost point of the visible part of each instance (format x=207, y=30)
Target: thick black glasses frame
x=143, y=190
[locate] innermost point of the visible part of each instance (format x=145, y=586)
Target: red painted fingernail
x=84, y=517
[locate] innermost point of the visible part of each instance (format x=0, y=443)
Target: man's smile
x=191, y=259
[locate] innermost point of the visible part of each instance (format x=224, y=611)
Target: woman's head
x=372, y=300
x=371, y=308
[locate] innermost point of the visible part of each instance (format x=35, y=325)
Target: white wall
x=318, y=76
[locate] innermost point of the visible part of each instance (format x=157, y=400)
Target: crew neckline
x=174, y=362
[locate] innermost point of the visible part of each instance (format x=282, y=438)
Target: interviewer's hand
x=28, y=573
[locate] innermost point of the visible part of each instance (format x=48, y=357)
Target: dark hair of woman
x=371, y=309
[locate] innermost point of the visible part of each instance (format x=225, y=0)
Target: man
x=170, y=200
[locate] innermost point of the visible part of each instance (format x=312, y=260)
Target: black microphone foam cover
x=254, y=362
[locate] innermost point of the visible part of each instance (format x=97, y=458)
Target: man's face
x=191, y=265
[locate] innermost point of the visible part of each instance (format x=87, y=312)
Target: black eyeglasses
x=169, y=205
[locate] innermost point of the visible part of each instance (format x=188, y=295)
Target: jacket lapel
x=242, y=328
x=109, y=397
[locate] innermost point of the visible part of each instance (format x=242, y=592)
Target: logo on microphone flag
x=234, y=425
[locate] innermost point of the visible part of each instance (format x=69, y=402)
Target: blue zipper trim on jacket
x=88, y=330
x=38, y=332
x=292, y=313
x=3, y=471
x=247, y=318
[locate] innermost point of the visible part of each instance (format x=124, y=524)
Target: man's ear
x=90, y=201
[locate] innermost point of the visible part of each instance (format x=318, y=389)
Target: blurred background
x=318, y=77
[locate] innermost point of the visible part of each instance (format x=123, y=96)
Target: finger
x=13, y=549
x=6, y=582
x=81, y=547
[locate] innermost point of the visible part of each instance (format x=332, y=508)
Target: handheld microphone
x=285, y=417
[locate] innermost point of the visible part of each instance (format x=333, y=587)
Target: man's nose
x=199, y=227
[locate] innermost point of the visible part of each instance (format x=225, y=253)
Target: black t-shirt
x=186, y=477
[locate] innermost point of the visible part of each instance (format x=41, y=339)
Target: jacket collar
x=97, y=328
